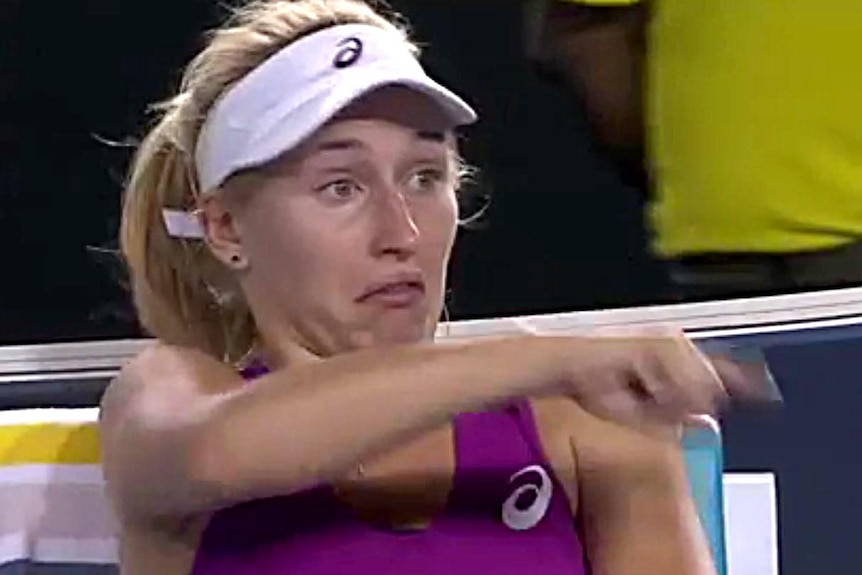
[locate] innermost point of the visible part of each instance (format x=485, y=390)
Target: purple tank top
x=506, y=514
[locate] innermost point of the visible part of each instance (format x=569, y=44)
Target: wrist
x=547, y=362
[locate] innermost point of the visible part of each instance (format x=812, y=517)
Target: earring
x=237, y=261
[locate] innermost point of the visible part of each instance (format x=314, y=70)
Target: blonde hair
x=184, y=295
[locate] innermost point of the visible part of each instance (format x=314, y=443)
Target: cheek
x=275, y=242
x=446, y=221
x=299, y=257
x=438, y=225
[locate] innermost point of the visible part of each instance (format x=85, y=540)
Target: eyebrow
x=353, y=143
x=438, y=137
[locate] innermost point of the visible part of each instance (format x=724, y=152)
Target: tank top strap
x=526, y=421
x=500, y=464
x=253, y=370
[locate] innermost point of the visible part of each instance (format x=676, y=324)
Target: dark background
x=563, y=233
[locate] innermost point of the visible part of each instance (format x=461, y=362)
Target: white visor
x=294, y=93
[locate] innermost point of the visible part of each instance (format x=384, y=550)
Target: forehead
x=389, y=118
x=376, y=135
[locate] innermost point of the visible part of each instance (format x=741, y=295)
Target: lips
x=400, y=291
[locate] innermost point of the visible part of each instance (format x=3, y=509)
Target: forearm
x=296, y=428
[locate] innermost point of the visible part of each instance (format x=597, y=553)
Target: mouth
x=401, y=291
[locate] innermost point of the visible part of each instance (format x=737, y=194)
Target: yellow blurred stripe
x=49, y=443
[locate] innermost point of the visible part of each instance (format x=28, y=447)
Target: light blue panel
x=703, y=454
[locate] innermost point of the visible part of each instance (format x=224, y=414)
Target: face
x=348, y=238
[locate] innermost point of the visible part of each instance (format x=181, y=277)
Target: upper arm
x=597, y=45
x=635, y=500
x=153, y=421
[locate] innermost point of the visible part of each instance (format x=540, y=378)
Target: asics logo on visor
x=349, y=53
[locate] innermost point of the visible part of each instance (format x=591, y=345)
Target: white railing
x=833, y=308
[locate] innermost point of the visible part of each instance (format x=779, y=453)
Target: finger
x=746, y=380
x=711, y=379
x=682, y=370
x=645, y=416
x=656, y=383
x=621, y=406
x=743, y=369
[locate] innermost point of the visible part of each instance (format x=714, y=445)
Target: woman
x=288, y=223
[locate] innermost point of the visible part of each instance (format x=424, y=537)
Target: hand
x=648, y=377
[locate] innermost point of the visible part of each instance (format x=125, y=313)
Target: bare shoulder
x=154, y=395
x=554, y=416
x=168, y=363
x=553, y=424
x=169, y=372
x=599, y=444
x=152, y=416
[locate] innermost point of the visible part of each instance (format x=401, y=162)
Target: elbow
x=190, y=477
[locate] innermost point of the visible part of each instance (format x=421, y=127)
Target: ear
x=222, y=231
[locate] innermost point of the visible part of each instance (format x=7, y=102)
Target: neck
x=278, y=351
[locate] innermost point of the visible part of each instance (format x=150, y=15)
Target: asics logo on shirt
x=529, y=502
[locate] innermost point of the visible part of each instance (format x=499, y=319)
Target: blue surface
x=703, y=454
x=811, y=442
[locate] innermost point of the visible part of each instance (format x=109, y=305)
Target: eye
x=339, y=190
x=428, y=180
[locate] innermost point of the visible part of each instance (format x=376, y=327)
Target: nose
x=396, y=231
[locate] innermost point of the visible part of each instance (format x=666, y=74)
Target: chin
x=403, y=337
x=392, y=327
x=404, y=333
